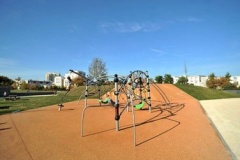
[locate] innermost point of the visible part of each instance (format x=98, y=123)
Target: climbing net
x=139, y=89
x=121, y=93
x=128, y=91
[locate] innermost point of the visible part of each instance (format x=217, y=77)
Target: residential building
x=45, y=84
x=50, y=76
x=235, y=80
x=59, y=81
x=199, y=80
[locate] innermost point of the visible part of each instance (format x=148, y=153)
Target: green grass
x=202, y=93
x=25, y=103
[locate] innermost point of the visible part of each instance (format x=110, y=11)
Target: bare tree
x=97, y=68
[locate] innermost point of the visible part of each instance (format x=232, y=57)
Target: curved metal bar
x=83, y=113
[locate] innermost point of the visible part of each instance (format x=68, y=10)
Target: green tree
x=168, y=79
x=5, y=81
x=182, y=80
x=224, y=82
x=211, y=76
x=228, y=76
x=23, y=85
x=78, y=81
x=97, y=68
x=14, y=85
x=159, y=79
x=211, y=82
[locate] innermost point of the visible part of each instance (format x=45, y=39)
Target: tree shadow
x=2, y=129
x=5, y=107
x=42, y=110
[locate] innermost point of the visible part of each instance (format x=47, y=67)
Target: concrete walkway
x=225, y=115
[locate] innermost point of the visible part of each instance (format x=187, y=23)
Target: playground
x=147, y=121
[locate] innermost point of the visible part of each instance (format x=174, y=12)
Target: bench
x=12, y=97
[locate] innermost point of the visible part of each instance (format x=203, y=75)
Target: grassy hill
x=202, y=93
x=25, y=103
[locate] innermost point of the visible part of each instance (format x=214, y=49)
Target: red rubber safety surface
x=177, y=131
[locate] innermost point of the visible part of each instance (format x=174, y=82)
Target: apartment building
x=59, y=81
x=199, y=80
x=50, y=76
x=45, y=84
x=235, y=80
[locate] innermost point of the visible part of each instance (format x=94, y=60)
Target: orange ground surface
x=182, y=131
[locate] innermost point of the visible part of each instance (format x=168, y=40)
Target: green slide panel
x=140, y=105
x=104, y=101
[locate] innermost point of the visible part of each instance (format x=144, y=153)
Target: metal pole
x=99, y=91
x=117, y=116
x=86, y=95
x=134, y=123
x=149, y=97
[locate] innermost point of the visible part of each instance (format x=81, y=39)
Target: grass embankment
x=202, y=93
x=31, y=102
x=25, y=103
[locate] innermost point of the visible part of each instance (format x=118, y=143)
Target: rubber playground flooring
x=180, y=131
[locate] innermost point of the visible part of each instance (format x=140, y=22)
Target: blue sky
x=39, y=36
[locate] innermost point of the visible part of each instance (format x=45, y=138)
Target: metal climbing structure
x=133, y=88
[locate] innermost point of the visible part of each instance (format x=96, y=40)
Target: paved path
x=176, y=132
x=225, y=114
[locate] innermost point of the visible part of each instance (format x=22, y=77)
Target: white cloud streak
x=159, y=52
x=6, y=63
x=190, y=19
x=131, y=27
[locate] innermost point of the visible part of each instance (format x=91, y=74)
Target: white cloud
x=160, y=52
x=181, y=55
x=131, y=27
x=190, y=19
x=6, y=63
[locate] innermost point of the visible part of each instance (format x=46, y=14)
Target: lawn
x=31, y=102
x=202, y=93
x=25, y=103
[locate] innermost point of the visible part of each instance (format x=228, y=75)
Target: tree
x=24, y=85
x=97, y=68
x=14, y=85
x=159, y=79
x=211, y=82
x=220, y=83
x=78, y=81
x=228, y=76
x=182, y=80
x=5, y=81
x=168, y=79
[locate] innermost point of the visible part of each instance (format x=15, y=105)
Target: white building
x=198, y=80
x=175, y=79
x=45, y=84
x=195, y=80
x=59, y=81
x=235, y=80
x=51, y=76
